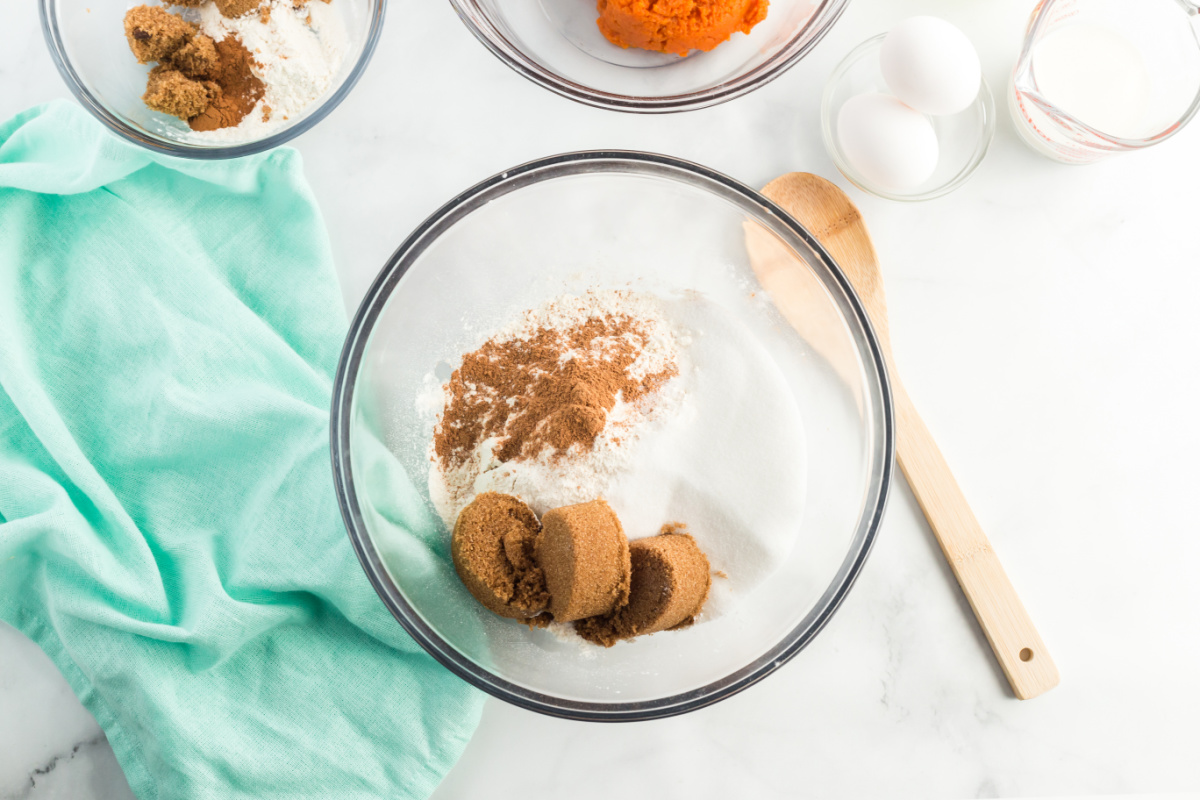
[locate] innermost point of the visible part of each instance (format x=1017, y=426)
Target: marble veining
x=42, y=776
x=1043, y=319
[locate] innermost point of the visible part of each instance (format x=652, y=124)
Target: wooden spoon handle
x=1018, y=647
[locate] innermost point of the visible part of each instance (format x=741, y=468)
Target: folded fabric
x=168, y=528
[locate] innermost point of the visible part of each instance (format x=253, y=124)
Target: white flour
x=298, y=53
x=545, y=483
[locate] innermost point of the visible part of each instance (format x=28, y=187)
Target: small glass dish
x=557, y=45
x=963, y=138
x=86, y=39
x=612, y=219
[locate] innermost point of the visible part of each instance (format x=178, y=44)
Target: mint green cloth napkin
x=168, y=529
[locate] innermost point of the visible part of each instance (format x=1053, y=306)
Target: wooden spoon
x=829, y=215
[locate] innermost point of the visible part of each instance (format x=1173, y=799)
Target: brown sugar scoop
x=585, y=556
x=493, y=550
x=830, y=216
x=668, y=587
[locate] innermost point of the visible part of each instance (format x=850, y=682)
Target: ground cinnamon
x=550, y=391
x=240, y=88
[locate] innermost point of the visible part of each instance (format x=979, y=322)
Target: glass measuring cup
x=1099, y=77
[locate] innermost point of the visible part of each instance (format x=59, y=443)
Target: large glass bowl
x=557, y=45
x=594, y=220
x=87, y=43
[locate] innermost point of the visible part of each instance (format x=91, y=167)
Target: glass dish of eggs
x=907, y=115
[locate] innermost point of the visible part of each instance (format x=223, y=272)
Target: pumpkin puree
x=677, y=26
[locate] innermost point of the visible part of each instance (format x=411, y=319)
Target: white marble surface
x=1044, y=317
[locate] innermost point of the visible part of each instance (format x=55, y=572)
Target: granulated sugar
x=730, y=464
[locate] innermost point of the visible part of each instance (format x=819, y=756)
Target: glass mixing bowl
x=87, y=43
x=574, y=222
x=556, y=44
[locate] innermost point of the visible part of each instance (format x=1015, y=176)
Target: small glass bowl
x=557, y=45
x=86, y=39
x=963, y=138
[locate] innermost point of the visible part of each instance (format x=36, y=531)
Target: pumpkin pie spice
x=550, y=391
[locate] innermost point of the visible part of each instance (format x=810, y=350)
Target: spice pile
x=236, y=69
x=547, y=408
x=576, y=566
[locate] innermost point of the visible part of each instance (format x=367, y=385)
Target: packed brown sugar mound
x=209, y=85
x=677, y=26
x=493, y=548
x=668, y=586
x=198, y=58
x=236, y=8
x=577, y=566
x=584, y=553
x=172, y=92
x=154, y=34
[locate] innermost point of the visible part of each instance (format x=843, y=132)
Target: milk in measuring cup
x=1097, y=76
x=1100, y=77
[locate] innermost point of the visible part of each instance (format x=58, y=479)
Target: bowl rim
x=827, y=14
x=530, y=173
x=984, y=100
x=47, y=11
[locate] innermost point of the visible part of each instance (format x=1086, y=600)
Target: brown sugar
x=240, y=88
x=585, y=556
x=236, y=8
x=154, y=34
x=493, y=547
x=668, y=586
x=196, y=59
x=209, y=84
x=172, y=92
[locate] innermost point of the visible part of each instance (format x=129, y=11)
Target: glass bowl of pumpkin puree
x=629, y=56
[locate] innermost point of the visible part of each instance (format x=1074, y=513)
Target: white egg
x=931, y=65
x=889, y=144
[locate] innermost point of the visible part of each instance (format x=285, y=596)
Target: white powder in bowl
x=297, y=53
x=549, y=481
x=723, y=451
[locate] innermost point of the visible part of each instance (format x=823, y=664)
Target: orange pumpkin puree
x=677, y=26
